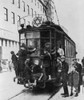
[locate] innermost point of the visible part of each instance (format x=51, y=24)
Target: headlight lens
x=27, y=60
x=36, y=61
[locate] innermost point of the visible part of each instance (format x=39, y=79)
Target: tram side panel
x=70, y=50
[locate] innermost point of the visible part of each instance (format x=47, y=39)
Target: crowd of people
x=72, y=75
x=19, y=59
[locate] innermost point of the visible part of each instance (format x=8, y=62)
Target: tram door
x=60, y=42
x=44, y=38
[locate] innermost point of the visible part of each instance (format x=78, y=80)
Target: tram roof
x=46, y=26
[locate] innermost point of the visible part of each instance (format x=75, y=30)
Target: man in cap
x=78, y=68
x=60, y=51
x=65, y=68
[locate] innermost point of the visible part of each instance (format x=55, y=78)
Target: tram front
x=40, y=65
x=33, y=63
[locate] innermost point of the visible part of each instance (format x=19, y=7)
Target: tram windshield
x=32, y=40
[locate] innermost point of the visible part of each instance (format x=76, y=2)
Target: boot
x=76, y=94
x=71, y=94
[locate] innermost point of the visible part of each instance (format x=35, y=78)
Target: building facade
x=12, y=14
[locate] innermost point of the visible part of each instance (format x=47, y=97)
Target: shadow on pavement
x=49, y=90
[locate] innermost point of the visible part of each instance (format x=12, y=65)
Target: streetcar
x=41, y=63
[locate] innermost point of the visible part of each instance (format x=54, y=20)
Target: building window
x=2, y=42
x=18, y=3
x=12, y=43
x=6, y=14
x=15, y=43
x=18, y=21
x=9, y=43
x=5, y=42
x=13, y=1
x=23, y=4
x=32, y=12
x=28, y=9
x=13, y=17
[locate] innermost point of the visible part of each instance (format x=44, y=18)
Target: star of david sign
x=37, y=21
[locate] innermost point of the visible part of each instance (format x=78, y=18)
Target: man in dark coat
x=64, y=73
x=15, y=64
x=22, y=55
x=47, y=63
x=79, y=70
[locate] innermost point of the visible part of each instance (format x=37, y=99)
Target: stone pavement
x=8, y=88
x=58, y=96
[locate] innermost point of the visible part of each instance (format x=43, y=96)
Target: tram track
x=35, y=94
x=15, y=95
x=54, y=93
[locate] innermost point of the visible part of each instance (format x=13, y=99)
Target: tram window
x=30, y=42
x=53, y=43
x=33, y=43
x=45, y=34
x=43, y=41
x=23, y=41
x=37, y=43
x=22, y=36
x=53, y=34
x=33, y=35
x=72, y=51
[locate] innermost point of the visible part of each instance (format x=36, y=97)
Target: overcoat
x=73, y=79
x=64, y=72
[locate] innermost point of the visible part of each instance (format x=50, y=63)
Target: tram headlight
x=27, y=60
x=36, y=61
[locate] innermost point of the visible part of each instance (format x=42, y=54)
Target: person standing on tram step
x=47, y=63
x=14, y=61
x=65, y=68
x=22, y=55
x=79, y=70
x=60, y=51
x=59, y=69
